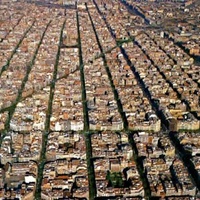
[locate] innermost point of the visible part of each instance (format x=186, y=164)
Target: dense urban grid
x=100, y=99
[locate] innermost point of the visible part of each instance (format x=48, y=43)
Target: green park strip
x=82, y=77
x=138, y=161
x=47, y=122
x=19, y=20
x=96, y=57
x=6, y=66
x=36, y=91
x=186, y=158
x=139, y=165
x=24, y=81
x=129, y=133
x=115, y=93
x=90, y=165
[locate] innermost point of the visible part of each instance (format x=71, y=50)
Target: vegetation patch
x=114, y=179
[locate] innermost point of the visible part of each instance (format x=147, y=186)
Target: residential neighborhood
x=99, y=99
